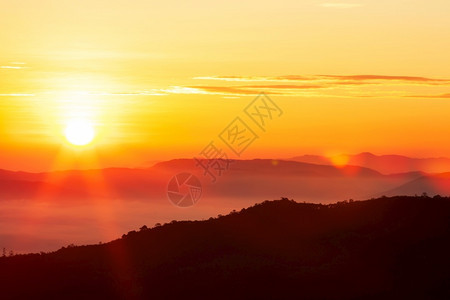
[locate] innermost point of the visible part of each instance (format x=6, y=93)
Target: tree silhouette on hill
x=383, y=248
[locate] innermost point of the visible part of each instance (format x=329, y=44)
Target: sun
x=79, y=132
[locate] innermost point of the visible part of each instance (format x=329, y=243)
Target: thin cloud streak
x=353, y=86
x=284, y=86
x=11, y=67
x=338, y=79
x=442, y=96
x=385, y=77
x=255, y=78
x=335, y=85
x=224, y=90
x=17, y=95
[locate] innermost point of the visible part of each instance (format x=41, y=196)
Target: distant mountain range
x=386, y=164
x=249, y=180
x=42, y=211
x=387, y=248
x=432, y=185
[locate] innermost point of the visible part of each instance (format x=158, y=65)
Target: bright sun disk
x=79, y=132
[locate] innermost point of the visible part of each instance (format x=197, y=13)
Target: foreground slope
x=383, y=248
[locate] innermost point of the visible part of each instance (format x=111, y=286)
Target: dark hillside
x=383, y=248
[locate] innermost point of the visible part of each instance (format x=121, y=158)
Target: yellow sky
x=161, y=79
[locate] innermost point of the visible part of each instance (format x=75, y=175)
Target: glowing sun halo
x=79, y=132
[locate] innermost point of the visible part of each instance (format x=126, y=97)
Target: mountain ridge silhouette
x=251, y=179
x=382, y=248
x=385, y=164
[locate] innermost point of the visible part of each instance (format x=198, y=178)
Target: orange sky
x=160, y=80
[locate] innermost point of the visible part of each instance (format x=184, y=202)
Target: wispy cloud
x=11, y=67
x=430, y=96
x=353, y=86
x=332, y=79
x=183, y=90
x=385, y=77
x=341, y=5
x=317, y=85
x=226, y=90
x=16, y=95
x=256, y=78
x=154, y=92
x=15, y=65
x=284, y=86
